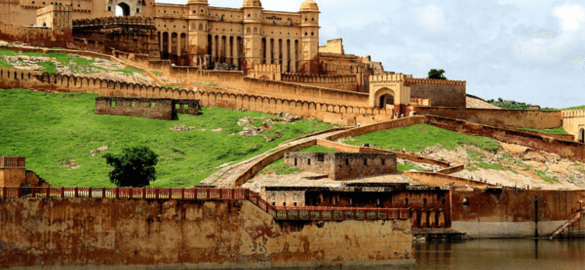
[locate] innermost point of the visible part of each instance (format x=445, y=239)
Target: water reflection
x=502, y=254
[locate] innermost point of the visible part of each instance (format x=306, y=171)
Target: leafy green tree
x=437, y=74
x=133, y=168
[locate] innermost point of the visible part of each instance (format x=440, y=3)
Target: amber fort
x=352, y=207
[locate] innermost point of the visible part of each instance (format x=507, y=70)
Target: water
x=501, y=254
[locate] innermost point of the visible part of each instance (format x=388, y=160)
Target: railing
x=11, y=162
x=278, y=213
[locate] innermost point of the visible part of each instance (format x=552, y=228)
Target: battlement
x=128, y=20
x=337, y=55
x=296, y=77
x=398, y=77
x=573, y=113
x=12, y=162
x=432, y=81
x=266, y=72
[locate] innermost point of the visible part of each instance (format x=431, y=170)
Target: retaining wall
x=514, y=118
x=101, y=233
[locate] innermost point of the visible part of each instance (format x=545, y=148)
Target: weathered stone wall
x=515, y=212
x=36, y=36
x=340, y=166
x=157, y=108
x=280, y=197
x=441, y=93
x=343, y=82
x=514, y=118
x=196, y=234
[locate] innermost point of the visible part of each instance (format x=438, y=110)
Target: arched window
x=200, y=27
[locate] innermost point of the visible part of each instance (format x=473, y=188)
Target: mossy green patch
x=559, y=130
x=48, y=128
x=408, y=166
x=492, y=166
x=542, y=174
x=418, y=137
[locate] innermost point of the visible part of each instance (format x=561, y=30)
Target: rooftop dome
x=252, y=3
x=309, y=5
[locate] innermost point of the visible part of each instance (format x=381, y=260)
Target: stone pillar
x=285, y=51
x=178, y=45
x=268, y=51
x=293, y=57
x=277, y=51
x=235, y=54
x=213, y=48
x=170, y=45
x=228, y=50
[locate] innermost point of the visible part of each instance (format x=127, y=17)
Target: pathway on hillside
x=226, y=176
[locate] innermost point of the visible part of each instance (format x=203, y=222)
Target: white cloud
x=431, y=19
x=423, y=60
x=571, y=18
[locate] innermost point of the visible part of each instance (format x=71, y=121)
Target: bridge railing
x=209, y=194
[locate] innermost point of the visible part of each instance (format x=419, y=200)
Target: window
x=406, y=201
x=273, y=203
x=295, y=161
x=312, y=33
x=365, y=161
x=312, y=19
x=295, y=203
x=306, y=34
x=283, y=203
x=309, y=162
x=347, y=162
x=202, y=11
x=113, y=104
x=137, y=10
x=425, y=201
x=249, y=15
x=306, y=19
x=383, y=162
x=132, y=105
x=320, y=157
x=465, y=201
x=185, y=107
x=177, y=106
x=152, y=105
x=443, y=201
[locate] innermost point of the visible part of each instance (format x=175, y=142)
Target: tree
x=133, y=168
x=437, y=74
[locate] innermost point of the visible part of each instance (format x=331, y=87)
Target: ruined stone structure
x=151, y=108
x=342, y=166
x=13, y=173
x=574, y=124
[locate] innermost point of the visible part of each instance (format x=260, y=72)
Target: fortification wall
x=514, y=212
x=161, y=109
x=82, y=232
x=343, y=82
x=36, y=36
x=574, y=124
x=515, y=118
x=327, y=112
x=441, y=93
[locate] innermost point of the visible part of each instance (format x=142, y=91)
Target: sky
x=525, y=50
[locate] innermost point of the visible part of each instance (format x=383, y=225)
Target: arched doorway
x=122, y=9
x=582, y=135
x=386, y=99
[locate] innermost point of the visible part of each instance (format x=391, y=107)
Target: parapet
x=398, y=77
x=412, y=81
x=573, y=114
x=342, y=166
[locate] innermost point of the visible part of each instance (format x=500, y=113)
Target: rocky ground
x=514, y=165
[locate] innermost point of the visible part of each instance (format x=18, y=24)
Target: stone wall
x=341, y=166
x=514, y=118
x=39, y=37
x=515, y=212
x=441, y=93
x=343, y=82
x=284, y=196
x=151, y=108
x=56, y=233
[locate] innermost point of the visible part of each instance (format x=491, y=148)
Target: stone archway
x=582, y=135
x=383, y=97
x=122, y=9
x=264, y=78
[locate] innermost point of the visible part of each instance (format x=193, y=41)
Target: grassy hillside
x=418, y=137
x=56, y=132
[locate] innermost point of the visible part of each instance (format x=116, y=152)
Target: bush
x=133, y=168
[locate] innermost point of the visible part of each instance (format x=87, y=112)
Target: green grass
x=280, y=168
x=4, y=64
x=418, y=137
x=542, y=174
x=407, y=166
x=494, y=166
x=129, y=71
x=48, y=128
x=559, y=130
x=157, y=73
x=574, y=108
x=49, y=67
x=75, y=63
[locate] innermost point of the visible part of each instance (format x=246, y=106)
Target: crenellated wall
x=337, y=114
x=442, y=93
x=343, y=82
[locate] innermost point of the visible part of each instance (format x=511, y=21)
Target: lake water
x=514, y=254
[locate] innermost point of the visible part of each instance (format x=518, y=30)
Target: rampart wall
x=327, y=112
x=80, y=232
x=441, y=93
x=514, y=212
x=39, y=37
x=151, y=108
x=514, y=118
x=344, y=82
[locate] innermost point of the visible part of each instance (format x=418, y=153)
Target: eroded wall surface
x=515, y=213
x=198, y=234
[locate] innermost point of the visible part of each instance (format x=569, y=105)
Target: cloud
x=423, y=60
x=571, y=24
x=431, y=19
